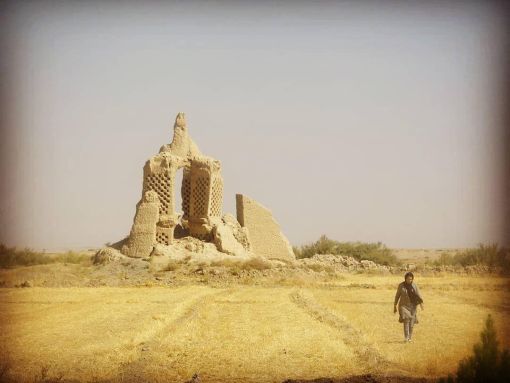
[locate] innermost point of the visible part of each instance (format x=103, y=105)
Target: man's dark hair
x=409, y=274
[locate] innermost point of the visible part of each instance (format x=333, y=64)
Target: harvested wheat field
x=243, y=333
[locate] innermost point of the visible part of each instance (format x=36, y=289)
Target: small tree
x=487, y=364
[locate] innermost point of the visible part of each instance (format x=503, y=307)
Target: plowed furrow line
x=352, y=337
x=135, y=371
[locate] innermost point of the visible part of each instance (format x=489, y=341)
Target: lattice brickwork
x=164, y=235
x=200, y=195
x=162, y=238
x=161, y=184
x=217, y=197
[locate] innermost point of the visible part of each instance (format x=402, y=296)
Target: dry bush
x=224, y=263
x=380, y=272
x=361, y=285
x=315, y=267
x=490, y=255
x=11, y=257
x=200, y=265
x=72, y=257
x=330, y=270
x=251, y=264
x=293, y=281
x=172, y=265
x=255, y=264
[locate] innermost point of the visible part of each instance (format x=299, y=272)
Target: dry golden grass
x=244, y=333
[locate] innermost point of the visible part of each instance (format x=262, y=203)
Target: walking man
x=408, y=297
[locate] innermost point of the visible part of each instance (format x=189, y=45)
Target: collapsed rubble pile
x=342, y=263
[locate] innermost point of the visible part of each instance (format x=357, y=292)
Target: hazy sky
x=350, y=119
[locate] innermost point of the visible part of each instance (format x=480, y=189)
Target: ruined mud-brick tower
x=157, y=222
x=201, y=191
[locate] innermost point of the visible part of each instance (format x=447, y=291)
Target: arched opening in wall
x=178, y=196
x=181, y=229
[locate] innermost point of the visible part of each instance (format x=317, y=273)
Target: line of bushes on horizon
x=11, y=257
x=376, y=252
x=490, y=255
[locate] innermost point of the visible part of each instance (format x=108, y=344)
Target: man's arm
x=417, y=291
x=397, y=297
x=419, y=295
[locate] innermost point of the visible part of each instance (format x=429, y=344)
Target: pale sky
x=355, y=120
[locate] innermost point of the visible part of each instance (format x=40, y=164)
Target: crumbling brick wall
x=266, y=238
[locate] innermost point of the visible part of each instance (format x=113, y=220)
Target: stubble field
x=243, y=333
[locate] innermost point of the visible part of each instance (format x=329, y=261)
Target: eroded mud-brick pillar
x=143, y=232
x=206, y=195
x=159, y=176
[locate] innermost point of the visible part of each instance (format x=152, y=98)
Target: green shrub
x=487, y=364
x=376, y=252
x=483, y=255
x=489, y=255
